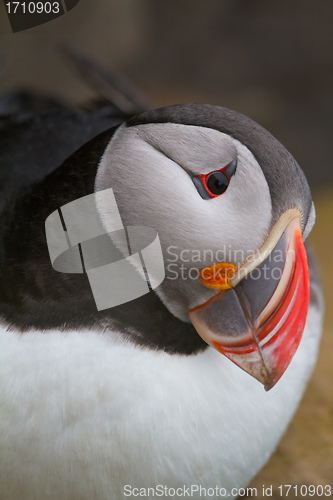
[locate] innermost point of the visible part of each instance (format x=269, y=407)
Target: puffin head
x=231, y=207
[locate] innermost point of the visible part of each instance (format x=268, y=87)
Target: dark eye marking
x=215, y=183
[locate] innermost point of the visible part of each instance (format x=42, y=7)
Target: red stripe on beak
x=280, y=335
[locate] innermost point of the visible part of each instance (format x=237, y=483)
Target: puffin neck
x=33, y=296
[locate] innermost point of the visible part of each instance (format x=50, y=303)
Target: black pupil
x=217, y=183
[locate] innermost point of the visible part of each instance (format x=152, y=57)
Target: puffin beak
x=258, y=315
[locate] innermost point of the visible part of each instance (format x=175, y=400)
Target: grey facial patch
x=287, y=183
x=230, y=169
x=201, y=190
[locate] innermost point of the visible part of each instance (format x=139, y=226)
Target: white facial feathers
x=149, y=167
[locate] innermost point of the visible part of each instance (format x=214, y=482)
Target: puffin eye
x=215, y=183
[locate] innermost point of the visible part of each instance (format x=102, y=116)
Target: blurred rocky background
x=272, y=61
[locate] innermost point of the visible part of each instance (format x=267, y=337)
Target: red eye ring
x=215, y=183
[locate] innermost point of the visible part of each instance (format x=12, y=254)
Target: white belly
x=82, y=415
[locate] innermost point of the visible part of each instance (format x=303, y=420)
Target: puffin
x=185, y=389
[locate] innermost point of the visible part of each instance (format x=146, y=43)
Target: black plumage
x=39, y=173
